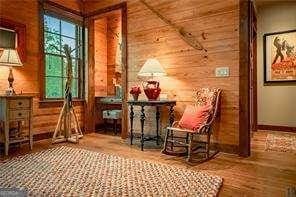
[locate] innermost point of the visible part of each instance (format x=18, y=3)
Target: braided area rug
x=66, y=171
x=281, y=142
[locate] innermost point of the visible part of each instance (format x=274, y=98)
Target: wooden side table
x=16, y=108
x=142, y=104
x=107, y=103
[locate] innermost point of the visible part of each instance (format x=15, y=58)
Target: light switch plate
x=222, y=72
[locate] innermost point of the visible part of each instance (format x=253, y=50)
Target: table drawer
x=19, y=103
x=112, y=114
x=19, y=114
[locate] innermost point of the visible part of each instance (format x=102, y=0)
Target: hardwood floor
x=262, y=174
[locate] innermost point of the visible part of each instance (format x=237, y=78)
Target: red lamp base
x=152, y=90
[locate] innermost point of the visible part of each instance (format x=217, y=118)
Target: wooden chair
x=172, y=141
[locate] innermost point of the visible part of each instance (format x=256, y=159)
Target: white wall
x=276, y=103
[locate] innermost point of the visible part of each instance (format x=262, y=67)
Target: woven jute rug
x=66, y=171
x=281, y=142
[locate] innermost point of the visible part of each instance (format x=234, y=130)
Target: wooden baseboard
x=276, y=128
x=47, y=135
x=228, y=148
x=42, y=136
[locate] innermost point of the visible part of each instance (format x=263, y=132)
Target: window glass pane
x=74, y=67
x=68, y=29
x=51, y=24
x=74, y=88
x=53, y=65
x=57, y=33
x=51, y=43
x=71, y=43
x=54, y=87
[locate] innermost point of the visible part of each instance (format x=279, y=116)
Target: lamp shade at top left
x=10, y=57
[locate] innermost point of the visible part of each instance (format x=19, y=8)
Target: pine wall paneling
x=100, y=57
x=27, y=78
x=105, y=42
x=113, y=29
x=92, y=110
x=100, y=45
x=215, y=23
x=106, y=26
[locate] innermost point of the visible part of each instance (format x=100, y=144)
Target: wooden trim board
x=244, y=80
x=61, y=7
x=277, y=128
x=59, y=103
x=122, y=5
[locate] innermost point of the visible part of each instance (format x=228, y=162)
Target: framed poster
x=279, y=50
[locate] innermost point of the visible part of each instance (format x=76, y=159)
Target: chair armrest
x=175, y=124
x=204, y=128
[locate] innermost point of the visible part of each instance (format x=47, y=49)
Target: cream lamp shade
x=152, y=68
x=10, y=57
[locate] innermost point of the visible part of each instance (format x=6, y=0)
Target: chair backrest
x=209, y=95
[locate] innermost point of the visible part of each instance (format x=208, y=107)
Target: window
x=57, y=33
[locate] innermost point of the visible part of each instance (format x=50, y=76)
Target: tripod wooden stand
x=67, y=120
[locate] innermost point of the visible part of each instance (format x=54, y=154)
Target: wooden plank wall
x=27, y=77
x=215, y=23
x=72, y=4
x=114, y=27
x=105, y=43
x=100, y=34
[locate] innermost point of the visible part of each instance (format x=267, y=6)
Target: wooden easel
x=64, y=130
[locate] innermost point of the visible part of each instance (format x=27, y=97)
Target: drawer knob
x=20, y=103
x=20, y=114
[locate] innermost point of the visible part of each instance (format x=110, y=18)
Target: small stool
x=114, y=115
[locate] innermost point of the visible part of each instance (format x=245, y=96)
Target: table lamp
x=10, y=57
x=152, y=68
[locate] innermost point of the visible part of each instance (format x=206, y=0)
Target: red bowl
x=152, y=93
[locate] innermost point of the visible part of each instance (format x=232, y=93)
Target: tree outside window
x=58, y=32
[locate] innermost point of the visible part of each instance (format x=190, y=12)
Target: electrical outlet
x=222, y=72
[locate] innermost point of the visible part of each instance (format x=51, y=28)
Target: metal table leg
x=142, y=127
x=171, y=120
x=157, y=124
x=132, y=114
